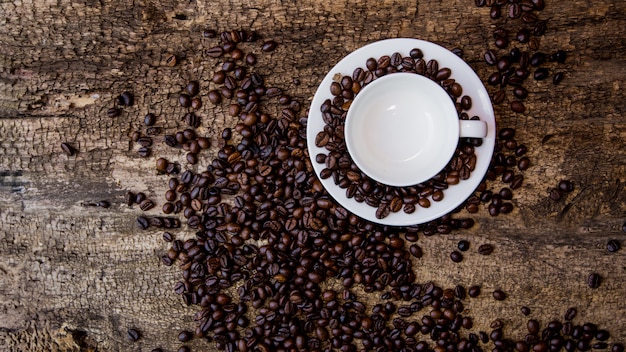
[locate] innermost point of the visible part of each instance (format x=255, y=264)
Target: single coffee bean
x=416, y=53
x=142, y=222
x=463, y=245
x=526, y=311
x=144, y=152
x=518, y=106
x=541, y=74
x=456, y=256
x=566, y=186
x=184, y=100
x=185, y=336
x=570, y=314
x=506, y=133
x=146, y=205
x=114, y=112
x=520, y=92
x=196, y=103
x=473, y=291
x=192, y=88
x=490, y=57
x=215, y=51
x=416, y=251
x=171, y=61
x=594, y=280
x=269, y=45
x=499, y=96
x=149, y=119
x=68, y=149
x=523, y=163
x=214, y=96
x=613, y=246
x=523, y=35
x=558, y=77
x=485, y=249
x=499, y=295
x=133, y=335
x=126, y=99
x=555, y=194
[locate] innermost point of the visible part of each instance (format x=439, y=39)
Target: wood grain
x=75, y=278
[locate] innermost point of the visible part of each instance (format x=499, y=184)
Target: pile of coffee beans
x=346, y=174
x=518, y=22
x=274, y=264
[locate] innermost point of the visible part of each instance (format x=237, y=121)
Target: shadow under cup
x=403, y=128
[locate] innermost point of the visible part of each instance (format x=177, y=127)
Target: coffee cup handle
x=472, y=128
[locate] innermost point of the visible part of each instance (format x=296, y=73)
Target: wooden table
x=76, y=277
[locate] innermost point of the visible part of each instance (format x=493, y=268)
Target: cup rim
x=452, y=132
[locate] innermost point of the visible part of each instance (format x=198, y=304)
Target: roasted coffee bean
x=114, y=112
x=185, y=336
x=473, y=291
x=214, y=97
x=555, y=194
x=490, y=57
x=142, y=222
x=144, y=152
x=560, y=56
x=456, y=256
x=416, y=53
x=526, y=311
x=499, y=295
x=184, y=100
x=613, y=246
x=463, y=245
x=126, y=99
x=192, y=88
x=570, y=314
x=566, y=186
x=133, y=335
x=541, y=74
x=523, y=35
x=520, y=92
x=499, y=96
x=68, y=149
x=518, y=106
x=594, y=280
x=558, y=77
x=171, y=60
x=416, y=251
x=485, y=249
x=506, y=133
x=269, y=45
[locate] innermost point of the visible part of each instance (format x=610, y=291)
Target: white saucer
x=481, y=106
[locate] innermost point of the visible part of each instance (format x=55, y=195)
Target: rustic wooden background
x=76, y=278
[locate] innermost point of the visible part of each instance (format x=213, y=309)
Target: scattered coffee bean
x=498, y=295
x=456, y=256
x=171, y=61
x=613, y=246
x=570, y=314
x=463, y=245
x=68, y=149
x=485, y=249
x=133, y=335
x=473, y=291
x=594, y=280
x=269, y=45
x=525, y=310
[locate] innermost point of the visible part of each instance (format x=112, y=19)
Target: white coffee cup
x=403, y=128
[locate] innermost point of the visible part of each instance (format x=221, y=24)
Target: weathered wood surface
x=75, y=277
